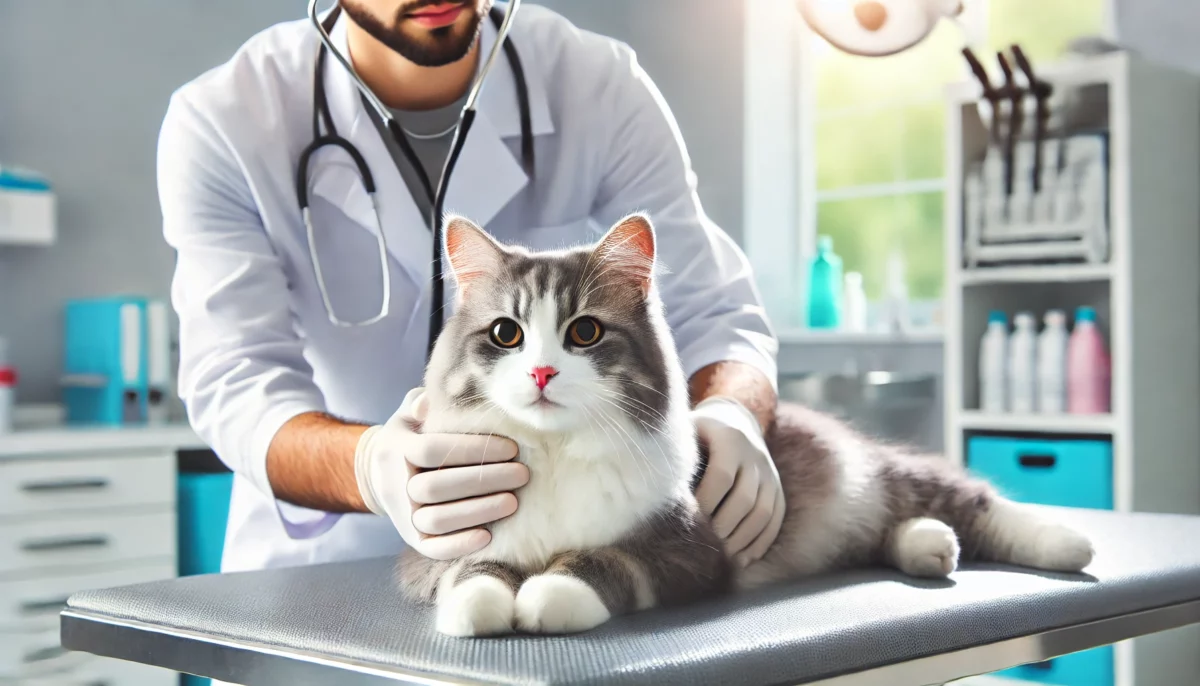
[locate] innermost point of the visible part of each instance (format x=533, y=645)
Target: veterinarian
x=298, y=196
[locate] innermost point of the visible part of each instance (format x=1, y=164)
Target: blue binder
x=105, y=364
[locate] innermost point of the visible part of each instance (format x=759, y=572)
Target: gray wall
x=83, y=88
x=1162, y=30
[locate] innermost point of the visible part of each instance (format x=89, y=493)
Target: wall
x=83, y=97
x=1162, y=30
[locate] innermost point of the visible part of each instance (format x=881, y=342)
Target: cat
x=569, y=354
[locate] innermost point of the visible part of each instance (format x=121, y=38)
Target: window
x=876, y=175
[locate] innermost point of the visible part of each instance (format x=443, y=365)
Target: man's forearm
x=740, y=381
x=311, y=463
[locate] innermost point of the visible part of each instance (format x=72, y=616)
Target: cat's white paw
x=926, y=547
x=1062, y=549
x=558, y=604
x=479, y=606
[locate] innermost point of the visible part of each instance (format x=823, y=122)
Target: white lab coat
x=256, y=346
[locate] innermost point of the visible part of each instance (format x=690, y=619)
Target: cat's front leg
x=477, y=599
x=673, y=558
x=582, y=590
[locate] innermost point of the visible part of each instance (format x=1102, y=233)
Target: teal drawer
x=1089, y=668
x=1049, y=471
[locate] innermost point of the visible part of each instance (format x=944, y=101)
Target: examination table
x=346, y=624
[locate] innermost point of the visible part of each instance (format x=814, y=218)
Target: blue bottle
x=825, y=287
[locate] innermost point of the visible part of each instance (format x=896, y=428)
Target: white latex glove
x=740, y=488
x=437, y=489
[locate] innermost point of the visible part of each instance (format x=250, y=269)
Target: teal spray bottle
x=825, y=287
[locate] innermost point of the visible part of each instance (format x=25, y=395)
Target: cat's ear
x=628, y=249
x=470, y=250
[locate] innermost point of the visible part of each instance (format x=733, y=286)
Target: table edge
x=254, y=664
x=941, y=668
x=241, y=661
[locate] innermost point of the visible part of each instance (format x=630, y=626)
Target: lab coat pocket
x=345, y=238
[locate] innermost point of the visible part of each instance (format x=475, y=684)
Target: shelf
x=1054, y=273
x=40, y=430
x=834, y=337
x=1037, y=423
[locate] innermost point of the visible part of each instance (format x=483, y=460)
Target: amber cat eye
x=506, y=333
x=585, y=331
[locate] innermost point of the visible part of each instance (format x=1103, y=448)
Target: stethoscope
x=437, y=196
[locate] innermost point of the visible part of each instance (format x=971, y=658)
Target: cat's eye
x=506, y=333
x=585, y=331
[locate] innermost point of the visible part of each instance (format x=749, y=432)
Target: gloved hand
x=740, y=477
x=437, y=489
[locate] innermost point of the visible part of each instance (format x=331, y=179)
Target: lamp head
x=875, y=28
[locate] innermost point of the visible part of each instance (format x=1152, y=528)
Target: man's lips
x=436, y=16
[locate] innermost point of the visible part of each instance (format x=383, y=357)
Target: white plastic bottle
x=1052, y=364
x=855, y=303
x=896, y=293
x=993, y=359
x=1022, y=364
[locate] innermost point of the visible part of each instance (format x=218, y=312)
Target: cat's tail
x=943, y=514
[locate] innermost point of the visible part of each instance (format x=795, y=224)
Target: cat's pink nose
x=542, y=375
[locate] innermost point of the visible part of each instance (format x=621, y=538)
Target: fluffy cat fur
x=608, y=523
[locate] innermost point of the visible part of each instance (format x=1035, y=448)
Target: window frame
x=784, y=120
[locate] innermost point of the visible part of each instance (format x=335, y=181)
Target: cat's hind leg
x=477, y=599
x=1018, y=534
x=922, y=547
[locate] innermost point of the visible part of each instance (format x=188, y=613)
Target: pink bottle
x=1088, y=367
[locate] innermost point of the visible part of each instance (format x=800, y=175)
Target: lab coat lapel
x=486, y=177
x=404, y=229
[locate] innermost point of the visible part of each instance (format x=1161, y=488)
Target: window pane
x=883, y=145
x=855, y=150
x=845, y=80
x=866, y=230
x=923, y=140
x=1042, y=29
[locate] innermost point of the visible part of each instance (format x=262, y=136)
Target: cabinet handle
x=1037, y=460
x=47, y=544
x=30, y=607
x=64, y=485
x=47, y=653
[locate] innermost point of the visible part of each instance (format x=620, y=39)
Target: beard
x=423, y=47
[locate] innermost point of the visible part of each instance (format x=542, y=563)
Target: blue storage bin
x=1050, y=471
x=203, y=510
x=1089, y=668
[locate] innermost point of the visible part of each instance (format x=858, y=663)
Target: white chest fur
x=585, y=490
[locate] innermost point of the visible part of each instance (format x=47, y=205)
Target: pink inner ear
x=471, y=253
x=629, y=249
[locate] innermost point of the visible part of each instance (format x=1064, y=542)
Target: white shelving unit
x=1145, y=297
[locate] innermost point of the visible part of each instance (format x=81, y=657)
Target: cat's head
x=557, y=340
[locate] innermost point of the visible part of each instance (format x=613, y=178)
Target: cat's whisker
x=645, y=457
x=647, y=408
x=647, y=387
x=490, y=407
x=604, y=416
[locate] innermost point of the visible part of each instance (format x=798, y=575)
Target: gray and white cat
x=568, y=354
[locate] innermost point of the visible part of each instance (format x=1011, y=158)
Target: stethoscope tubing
x=322, y=116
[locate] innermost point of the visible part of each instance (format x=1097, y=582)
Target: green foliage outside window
x=879, y=123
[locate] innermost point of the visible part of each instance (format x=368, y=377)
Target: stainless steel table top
x=346, y=623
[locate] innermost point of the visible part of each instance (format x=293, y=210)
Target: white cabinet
x=1142, y=292
x=73, y=519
